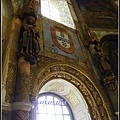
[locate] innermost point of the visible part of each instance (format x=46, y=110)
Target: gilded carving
x=72, y=98
x=44, y=60
x=102, y=112
x=97, y=97
x=53, y=55
x=55, y=86
x=10, y=84
x=95, y=114
x=72, y=75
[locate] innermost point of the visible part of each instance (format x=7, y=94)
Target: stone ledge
x=6, y=106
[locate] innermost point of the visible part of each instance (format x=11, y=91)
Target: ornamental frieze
x=80, y=81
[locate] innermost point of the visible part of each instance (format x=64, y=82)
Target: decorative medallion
x=62, y=40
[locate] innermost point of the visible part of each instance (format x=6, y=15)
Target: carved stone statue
x=29, y=40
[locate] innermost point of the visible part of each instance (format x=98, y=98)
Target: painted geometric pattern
x=20, y=115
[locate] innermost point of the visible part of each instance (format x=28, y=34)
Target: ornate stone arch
x=96, y=104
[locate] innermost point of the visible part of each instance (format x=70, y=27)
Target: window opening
x=52, y=107
x=57, y=10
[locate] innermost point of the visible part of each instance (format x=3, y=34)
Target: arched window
x=57, y=10
x=52, y=107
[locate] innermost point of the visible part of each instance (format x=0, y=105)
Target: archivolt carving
x=80, y=81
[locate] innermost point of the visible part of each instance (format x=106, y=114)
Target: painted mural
x=62, y=42
x=98, y=16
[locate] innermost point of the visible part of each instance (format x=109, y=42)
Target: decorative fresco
x=61, y=41
x=98, y=16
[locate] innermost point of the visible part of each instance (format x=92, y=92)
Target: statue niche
x=29, y=40
x=104, y=64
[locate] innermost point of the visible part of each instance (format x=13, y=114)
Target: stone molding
x=6, y=106
x=21, y=106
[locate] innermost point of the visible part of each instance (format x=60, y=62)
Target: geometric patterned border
x=96, y=106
